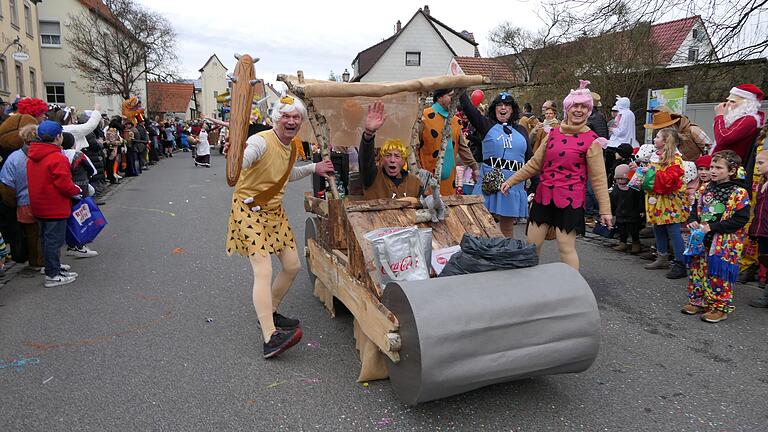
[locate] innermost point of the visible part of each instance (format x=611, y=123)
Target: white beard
x=745, y=108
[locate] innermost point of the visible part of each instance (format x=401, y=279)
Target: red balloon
x=477, y=97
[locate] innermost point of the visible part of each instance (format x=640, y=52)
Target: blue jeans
x=52, y=234
x=663, y=234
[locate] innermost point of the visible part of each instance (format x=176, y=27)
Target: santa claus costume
x=739, y=120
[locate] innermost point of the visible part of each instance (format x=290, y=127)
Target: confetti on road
x=46, y=381
x=386, y=421
x=275, y=384
x=179, y=250
x=313, y=344
x=151, y=210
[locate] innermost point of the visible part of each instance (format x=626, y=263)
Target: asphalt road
x=159, y=333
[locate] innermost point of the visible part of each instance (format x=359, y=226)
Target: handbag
x=493, y=179
x=604, y=231
x=85, y=222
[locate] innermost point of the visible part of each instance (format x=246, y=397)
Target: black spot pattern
x=580, y=143
x=431, y=115
x=561, y=154
x=434, y=133
x=435, y=153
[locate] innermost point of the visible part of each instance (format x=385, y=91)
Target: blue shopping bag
x=85, y=222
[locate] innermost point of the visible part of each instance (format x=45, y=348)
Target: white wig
x=287, y=104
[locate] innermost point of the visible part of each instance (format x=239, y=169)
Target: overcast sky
x=317, y=36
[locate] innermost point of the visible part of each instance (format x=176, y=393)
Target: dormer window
x=413, y=58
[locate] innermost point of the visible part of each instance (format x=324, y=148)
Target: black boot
x=749, y=274
x=678, y=271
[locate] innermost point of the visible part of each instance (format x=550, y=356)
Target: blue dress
x=512, y=146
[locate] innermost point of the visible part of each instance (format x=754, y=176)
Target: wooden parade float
x=441, y=336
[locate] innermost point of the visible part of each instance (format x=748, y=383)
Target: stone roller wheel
x=310, y=232
x=464, y=332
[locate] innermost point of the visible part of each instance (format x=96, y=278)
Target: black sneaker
x=284, y=323
x=281, y=341
x=677, y=271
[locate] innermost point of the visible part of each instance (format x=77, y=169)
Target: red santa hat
x=748, y=91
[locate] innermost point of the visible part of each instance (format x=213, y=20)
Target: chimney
x=426, y=9
x=398, y=27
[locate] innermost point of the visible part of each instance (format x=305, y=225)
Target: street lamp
x=345, y=76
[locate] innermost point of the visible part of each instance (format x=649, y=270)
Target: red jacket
x=739, y=137
x=50, y=182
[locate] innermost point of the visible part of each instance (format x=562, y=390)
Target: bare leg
x=507, y=226
x=537, y=234
x=566, y=243
x=262, y=296
x=289, y=260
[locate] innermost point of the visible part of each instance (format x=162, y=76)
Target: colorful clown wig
x=32, y=106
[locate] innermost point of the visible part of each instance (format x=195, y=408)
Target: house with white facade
x=213, y=82
x=423, y=47
x=682, y=42
x=65, y=86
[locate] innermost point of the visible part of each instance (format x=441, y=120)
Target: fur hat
x=582, y=95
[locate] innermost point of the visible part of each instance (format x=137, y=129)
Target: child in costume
x=758, y=230
x=628, y=206
x=571, y=152
x=721, y=215
x=665, y=201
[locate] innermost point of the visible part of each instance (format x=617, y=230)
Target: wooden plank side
x=454, y=200
x=336, y=225
x=362, y=260
x=376, y=321
x=467, y=220
x=377, y=204
x=315, y=205
x=485, y=220
x=453, y=224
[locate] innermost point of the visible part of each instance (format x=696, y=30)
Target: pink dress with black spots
x=562, y=188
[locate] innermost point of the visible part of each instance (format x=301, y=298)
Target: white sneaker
x=82, y=252
x=118, y=176
x=68, y=273
x=57, y=280
x=62, y=267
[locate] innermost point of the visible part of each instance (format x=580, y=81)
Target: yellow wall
x=29, y=39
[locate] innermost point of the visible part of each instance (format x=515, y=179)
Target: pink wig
x=581, y=95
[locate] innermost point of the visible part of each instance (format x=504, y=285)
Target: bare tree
x=737, y=28
x=114, y=48
x=524, y=49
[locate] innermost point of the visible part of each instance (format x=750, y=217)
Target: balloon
x=477, y=97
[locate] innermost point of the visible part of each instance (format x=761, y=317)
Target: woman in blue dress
x=506, y=148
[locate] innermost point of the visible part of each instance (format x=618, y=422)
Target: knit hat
x=704, y=161
x=748, y=91
x=621, y=171
x=624, y=150
x=581, y=95
x=68, y=141
x=48, y=130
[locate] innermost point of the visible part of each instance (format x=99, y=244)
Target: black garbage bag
x=482, y=254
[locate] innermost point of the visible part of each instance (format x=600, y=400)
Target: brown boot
x=621, y=247
x=690, y=309
x=661, y=263
x=636, y=248
x=714, y=316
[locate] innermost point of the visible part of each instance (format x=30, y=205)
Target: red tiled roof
x=493, y=68
x=168, y=97
x=670, y=35
x=99, y=8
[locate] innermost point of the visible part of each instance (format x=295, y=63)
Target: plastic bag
x=482, y=254
x=85, y=222
x=401, y=253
